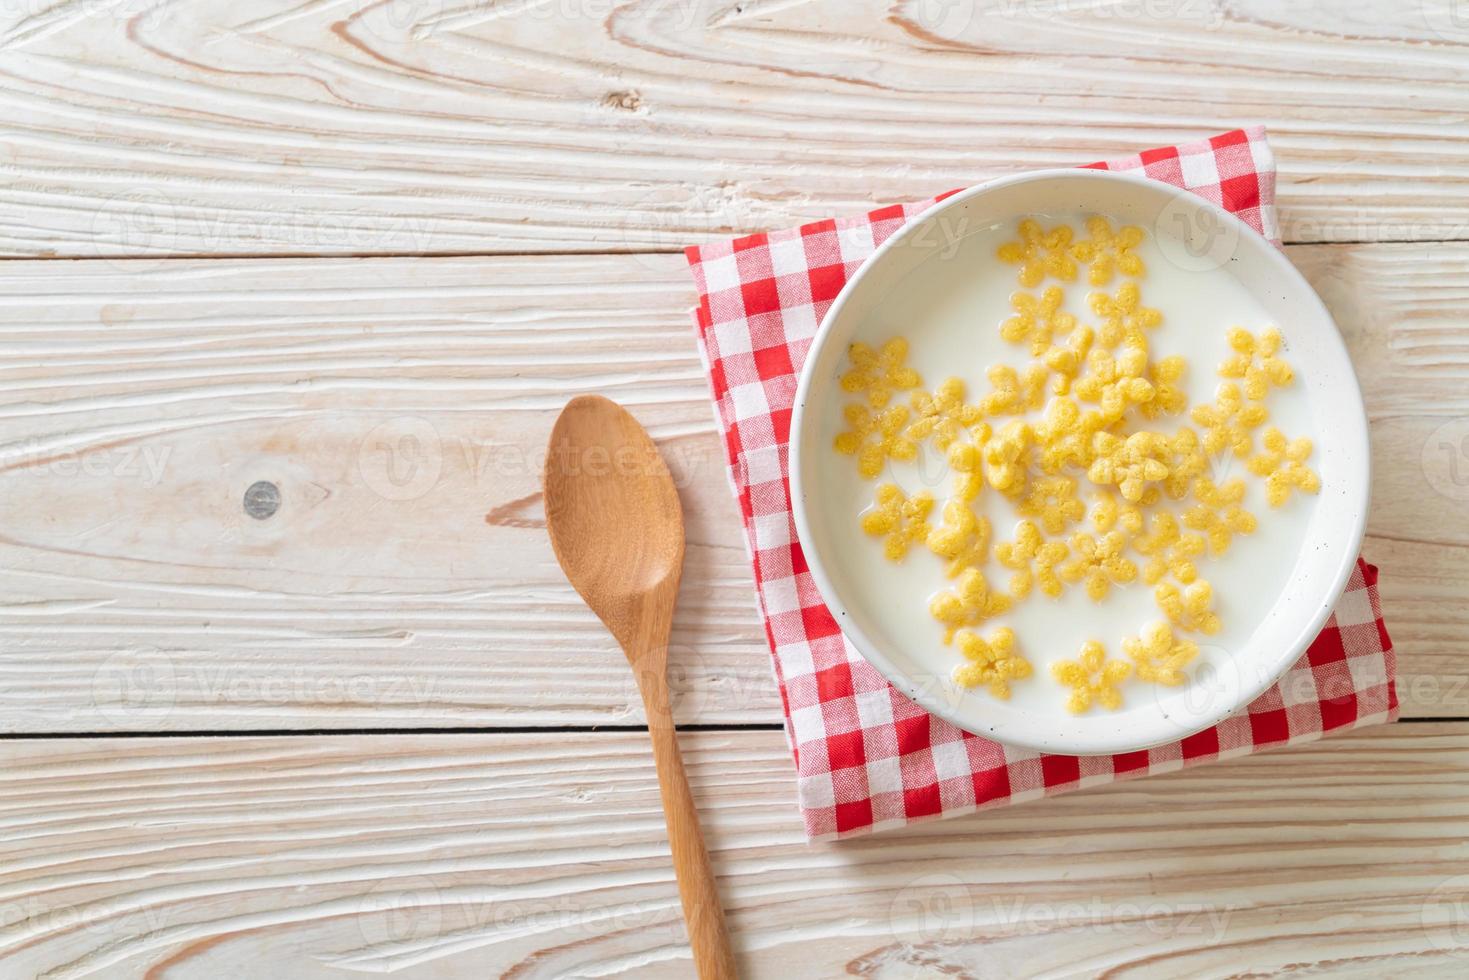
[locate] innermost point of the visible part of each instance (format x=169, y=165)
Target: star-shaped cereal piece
x=1100, y=562
x=969, y=603
x=943, y=416
x=1283, y=465
x=993, y=661
x=1124, y=317
x=1189, y=608
x=1219, y=495
x=1169, y=398
x=1067, y=359
x=1053, y=502
x=1007, y=457
x=1033, y=560
x=1159, y=656
x=880, y=373
x=1218, y=514
x=1040, y=253
x=900, y=519
x=1186, y=463
x=876, y=438
x=963, y=539
x=1093, y=678
x=1169, y=551
x=1115, y=383
x=966, y=459
x=1107, y=252
x=1037, y=320
x=1064, y=436
x=1133, y=464
x=1257, y=361
x=1230, y=422
x=1015, y=391
x=1109, y=513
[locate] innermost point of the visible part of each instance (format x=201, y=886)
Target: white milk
x=952, y=323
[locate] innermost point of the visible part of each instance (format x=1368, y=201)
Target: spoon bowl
x=613, y=513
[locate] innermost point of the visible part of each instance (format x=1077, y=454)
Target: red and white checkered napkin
x=866, y=756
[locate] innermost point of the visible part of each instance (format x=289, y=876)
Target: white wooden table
x=356, y=255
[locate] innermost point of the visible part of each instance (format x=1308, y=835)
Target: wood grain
x=274, y=493
x=424, y=126
x=401, y=407
x=543, y=855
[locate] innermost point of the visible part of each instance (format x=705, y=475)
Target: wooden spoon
x=617, y=530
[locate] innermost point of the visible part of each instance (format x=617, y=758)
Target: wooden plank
x=544, y=855
x=400, y=407
x=351, y=127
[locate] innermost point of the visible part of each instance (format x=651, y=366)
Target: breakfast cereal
x=901, y=521
x=1093, y=678
x=1033, y=560
x=962, y=539
x=1040, y=253
x=992, y=661
x=1089, y=441
x=1283, y=465
x=1159, y=656
x=1107, y=252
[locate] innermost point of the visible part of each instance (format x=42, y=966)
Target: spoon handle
x=701, y=911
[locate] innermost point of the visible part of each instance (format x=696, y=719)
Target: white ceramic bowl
x=1207, y=240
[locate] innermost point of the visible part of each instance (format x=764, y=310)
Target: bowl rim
x=932, y=700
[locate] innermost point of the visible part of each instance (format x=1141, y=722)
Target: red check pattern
x=867, y=757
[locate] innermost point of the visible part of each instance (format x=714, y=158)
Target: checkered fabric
x=867, y=757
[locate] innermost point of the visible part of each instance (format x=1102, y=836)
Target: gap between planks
x=548, y=254
x=491, y=730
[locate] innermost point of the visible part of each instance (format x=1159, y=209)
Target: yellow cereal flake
x=1283, y=465
x=1169, y=551
x=969, y=603
x=1066, y=360
x=1109, y=513
x=1131, y=464
x=874, y=439
x=1052, y=500
x=1037, y=320
x=1168, y=397
x=1230, y=422
x=1007, y=457
x=1064, y=435
x=1093, y=678
x=1186, y=463
x=943, y=416
x=992, y=661
x=1190, y=608
x=1040, y=253
x=901, y=519
x=1123, y=317
x=1033, y=560
x=1106, y=252
x=1256, y=360
x=878, y=374
x=966, y=459
x=1159, y=656
x=1015, y=391
x=1218, y=515
x=1098, y=561
x=1115, y=383
x=1219, y=495
x=963, y=539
